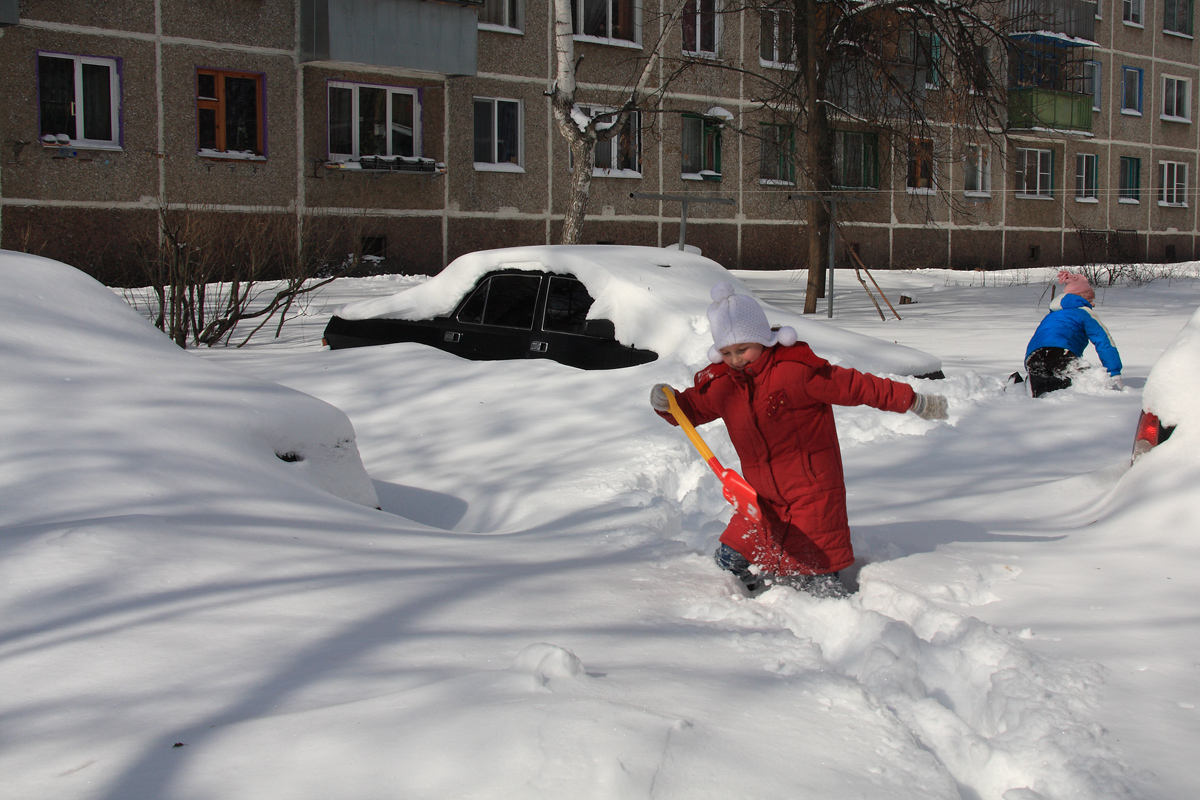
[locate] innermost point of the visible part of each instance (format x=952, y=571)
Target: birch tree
x=584, y=132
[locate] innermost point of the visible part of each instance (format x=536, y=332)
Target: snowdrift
x=140, y=424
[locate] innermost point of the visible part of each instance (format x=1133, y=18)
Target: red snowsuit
x=779, y=412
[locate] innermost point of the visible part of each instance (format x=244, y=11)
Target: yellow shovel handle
x=687, y=425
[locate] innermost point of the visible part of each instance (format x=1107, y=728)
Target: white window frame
x=1176, y=84
x=578, y=8
x=1087, y=170
x=355, y=115
x=696, y=50
x=979, y=155
x=1099, y=11
x=513, y=11
x=494, y=165
x=1093, y=72
x=1133, y=13
x=114, y=95
x=1172, y=184
x=776, y=34
x=1045, y=173
x=613, y=142
x=1126, y=73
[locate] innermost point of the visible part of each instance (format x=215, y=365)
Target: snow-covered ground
x=534, y=613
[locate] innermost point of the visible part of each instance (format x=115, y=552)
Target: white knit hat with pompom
x=738, y=319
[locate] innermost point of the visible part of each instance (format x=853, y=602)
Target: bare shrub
x=209, y=273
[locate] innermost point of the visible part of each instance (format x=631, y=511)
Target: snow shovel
x=740, y=494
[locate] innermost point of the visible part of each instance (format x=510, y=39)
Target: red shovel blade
x=738, y=493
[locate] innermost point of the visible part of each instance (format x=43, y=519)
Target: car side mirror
x=600, y=328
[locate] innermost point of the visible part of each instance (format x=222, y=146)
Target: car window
x=567, y=305
x=506, y=301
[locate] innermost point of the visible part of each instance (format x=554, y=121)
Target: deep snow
x=535, y=614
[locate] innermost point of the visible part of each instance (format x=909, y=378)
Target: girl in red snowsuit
x=776, y=397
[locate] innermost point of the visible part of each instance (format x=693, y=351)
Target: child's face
x=737, y=356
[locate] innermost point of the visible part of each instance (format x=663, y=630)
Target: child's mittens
x=929, y=406
x=658, y=400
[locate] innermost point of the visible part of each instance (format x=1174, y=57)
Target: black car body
x=509, y=314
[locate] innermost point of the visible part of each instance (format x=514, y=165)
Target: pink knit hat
x=1074, y=283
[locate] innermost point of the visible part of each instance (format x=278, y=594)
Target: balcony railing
x=1072, y=18
x=1035, y=107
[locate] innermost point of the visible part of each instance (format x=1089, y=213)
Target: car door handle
x=452, y=336
x=538, y=347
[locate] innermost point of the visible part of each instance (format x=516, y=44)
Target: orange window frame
x=217, y=105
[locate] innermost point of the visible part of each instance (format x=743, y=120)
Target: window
x=775, y=154
x=1085, y=177
x=1131, y=11
x=567, y=305
x=856, y=159
x=978, y=173
x=497, y=135
x=621, y=154
x=980, y=70
x=506, y=301
x=502, y=14
x=1035, y=170
x=1177, y=95
x=1092, y=82
x=920, y=166
x=1131, y=90
x=229, y=112
x=1129, y=183
x=1177, y=16
x=369, y=120
x=1172, y=185
x=699, y=22
x=613, y=20
x=923, y=48
x=701, y=148
x=776, y=46
x=79, y=97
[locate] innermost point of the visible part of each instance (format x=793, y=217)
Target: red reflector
x=1147, y=429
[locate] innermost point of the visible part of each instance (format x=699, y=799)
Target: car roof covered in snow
x=657, y=299
x=1174, y=382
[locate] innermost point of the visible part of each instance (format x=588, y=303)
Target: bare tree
x=584, y=132
x=870, y=67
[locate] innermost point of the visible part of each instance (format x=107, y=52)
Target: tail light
x=324, y=342
x=1147, y=436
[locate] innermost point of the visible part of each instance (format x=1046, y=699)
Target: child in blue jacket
x=1063, y=335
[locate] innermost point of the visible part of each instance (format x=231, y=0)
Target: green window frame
x=1177, y=16
x=776, y=152
x=856, y=159
x=1129, y=181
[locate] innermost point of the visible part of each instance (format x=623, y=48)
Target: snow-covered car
x=586, y=306
x=1169, y=399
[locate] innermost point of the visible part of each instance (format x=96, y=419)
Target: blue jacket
x=1070, y=324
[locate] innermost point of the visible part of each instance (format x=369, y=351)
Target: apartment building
x=423, y=131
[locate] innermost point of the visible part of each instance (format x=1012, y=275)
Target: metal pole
x=832, y=229
x=683, y=223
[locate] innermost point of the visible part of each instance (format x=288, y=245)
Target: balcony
x=1071, y=19
x=440, y=38
x=1035, y=107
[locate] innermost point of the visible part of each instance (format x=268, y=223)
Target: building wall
x=99, y=207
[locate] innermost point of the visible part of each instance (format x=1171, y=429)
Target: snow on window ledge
x=230, y=155
x=599, y=172
x=774, y=182
x=485, y=166
x=399, y=164
x=702, y=175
